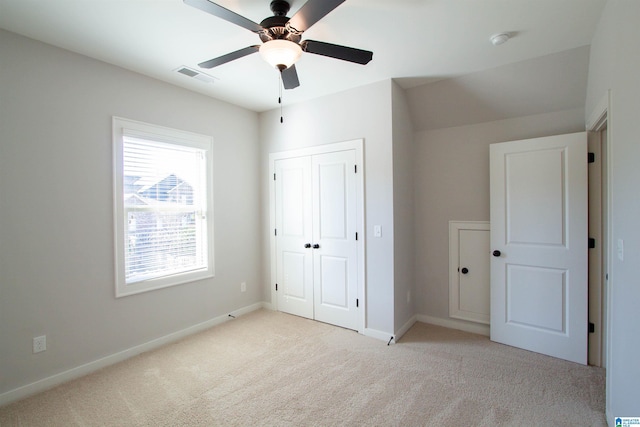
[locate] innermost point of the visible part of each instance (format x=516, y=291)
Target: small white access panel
x=469, y=276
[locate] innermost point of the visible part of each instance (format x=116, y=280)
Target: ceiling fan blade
x=226, y=14
x=229, y=57
x=345, y=53
x=311, y=12
x=290, y=77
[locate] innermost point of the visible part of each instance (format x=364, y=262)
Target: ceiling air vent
x=190, y=72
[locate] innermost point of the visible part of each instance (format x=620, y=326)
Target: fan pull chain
x=280, y=98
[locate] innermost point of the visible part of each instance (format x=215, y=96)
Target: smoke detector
x=498, y=39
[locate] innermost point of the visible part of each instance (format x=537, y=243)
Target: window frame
x=130, y=128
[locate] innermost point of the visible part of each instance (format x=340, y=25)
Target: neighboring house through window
x=164, y=228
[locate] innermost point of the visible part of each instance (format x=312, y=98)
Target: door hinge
x=275, y=231
x=591, y=157
x=356, y=235
x=276, y=287
x=357, y=303
x=592, y=243
x=274, y=176
x=592, y=328
x=355, y=168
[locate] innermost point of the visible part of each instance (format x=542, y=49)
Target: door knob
x=316, y=246
x=497, y=253
x=464, y=270
x=307, y=245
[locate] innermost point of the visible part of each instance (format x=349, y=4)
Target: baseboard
x=405, y=327
x=461, y=325
x=390, y=338
x=248, y=309
x=87, y=368
x=382, y=336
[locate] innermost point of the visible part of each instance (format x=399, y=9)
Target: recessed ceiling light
x=498, y=39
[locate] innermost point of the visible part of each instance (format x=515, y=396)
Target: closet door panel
x=334, y=232
x=294, y=264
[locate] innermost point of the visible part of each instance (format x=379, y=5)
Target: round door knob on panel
x=497, y=253
x=316, y=246
x=464, y=270
x=307, y=245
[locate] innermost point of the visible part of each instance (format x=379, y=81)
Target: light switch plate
x=620, y=249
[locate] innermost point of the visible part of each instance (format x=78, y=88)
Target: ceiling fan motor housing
x=276, y=26
x=280, y=7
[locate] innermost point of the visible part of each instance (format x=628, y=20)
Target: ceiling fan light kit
x=280, y=54
x=281, y=37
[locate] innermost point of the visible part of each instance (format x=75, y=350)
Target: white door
x=539, y=242
x=334, y=232
x=315, y=237
x=294, y=257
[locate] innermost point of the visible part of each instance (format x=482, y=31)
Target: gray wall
x=455, y=121
x=56, y=210
x=359, y=113
x=614, y=65
x=452, y=183
x=403, y=208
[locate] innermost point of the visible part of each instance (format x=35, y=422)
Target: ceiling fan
x=281, y=36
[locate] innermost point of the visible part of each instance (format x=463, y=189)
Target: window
x=163, y=209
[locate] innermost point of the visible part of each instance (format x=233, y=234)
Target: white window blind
x=163, y=211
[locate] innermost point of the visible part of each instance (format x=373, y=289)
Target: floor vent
x=190, y=72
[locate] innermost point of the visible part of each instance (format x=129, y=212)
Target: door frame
x=600, y=120
x=358, y=146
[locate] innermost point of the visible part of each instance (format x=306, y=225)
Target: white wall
x=539, y=85
x=403, y=206
x=615, y=65
x=364, y=112
x=56, y=221
x=452, y=183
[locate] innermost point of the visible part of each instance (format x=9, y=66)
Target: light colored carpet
x=273, y=369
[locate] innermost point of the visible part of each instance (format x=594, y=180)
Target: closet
x=316, y=209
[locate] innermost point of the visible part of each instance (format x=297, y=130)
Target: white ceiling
x=414, y=41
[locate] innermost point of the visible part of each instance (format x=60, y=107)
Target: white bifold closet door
x=316, y=250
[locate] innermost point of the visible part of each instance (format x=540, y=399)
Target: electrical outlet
x=243, y=287
x=39, y=344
